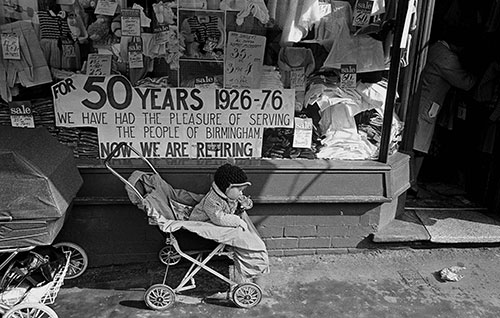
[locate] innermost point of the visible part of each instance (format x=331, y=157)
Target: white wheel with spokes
x=78, y=260
x=247, y=295
x=159, y=297
x=169, y=256
x=30, y=310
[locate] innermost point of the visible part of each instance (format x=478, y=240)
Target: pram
x=170, y=213
x=35, y=194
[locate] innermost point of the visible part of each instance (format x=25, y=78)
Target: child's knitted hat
x=228, y=175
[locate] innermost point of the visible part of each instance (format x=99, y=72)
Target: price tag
x=362, y=12
x=205, y=82
x=131, y=22
x=298, y=79
x=161, y=34
x=10, y=46
x=244, y=59
x=135, y=57
x=99, y=64
x=348, y=76
x=106, y=7
x=302, y=133
x=21, y=114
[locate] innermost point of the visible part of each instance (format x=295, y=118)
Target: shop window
x=203, y=78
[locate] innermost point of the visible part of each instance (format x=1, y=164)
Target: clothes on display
x=31, y=69
x=183, y=44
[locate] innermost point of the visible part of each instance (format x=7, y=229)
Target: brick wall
x=293, y=229
x=118, y=234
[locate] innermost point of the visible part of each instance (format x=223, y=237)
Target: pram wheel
x=247, y=295
x=159, y=297
x=78, y=261
x=169, y=256
x=32, y=310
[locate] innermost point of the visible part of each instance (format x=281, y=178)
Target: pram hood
x=38, y=175
x=157, y=203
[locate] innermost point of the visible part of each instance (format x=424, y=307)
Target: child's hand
x=246, y=202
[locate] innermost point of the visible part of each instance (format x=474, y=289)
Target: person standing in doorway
x=442, y=71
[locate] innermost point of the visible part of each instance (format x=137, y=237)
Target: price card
x=302, y=133
x=362, y=12
x=244, y=59
x=298, y=79
x=10, y=46
x=135, y=57
x=348, y=76
x=131, y=22
x=106, y=7
x=99, y=64
x=161, y=33
x=21, y=114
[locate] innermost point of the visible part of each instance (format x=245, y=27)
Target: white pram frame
x=161, y=296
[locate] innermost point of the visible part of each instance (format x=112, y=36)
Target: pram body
x=38, y=181
x=169, y=209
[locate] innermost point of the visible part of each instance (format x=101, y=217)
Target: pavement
x=383, y=282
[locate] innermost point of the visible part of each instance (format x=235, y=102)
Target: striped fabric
x=203, y=31
x=52, y=27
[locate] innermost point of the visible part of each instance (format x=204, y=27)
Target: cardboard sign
x=10, y=46
x=362, y=12
x=21, y=114
x=99, y=64
x=302, y=133
x=172, y=122
x=244, y=59
x=348, y=76
x=131, y=22
x=106, y=7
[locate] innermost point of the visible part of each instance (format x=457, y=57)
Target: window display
x=204, y=78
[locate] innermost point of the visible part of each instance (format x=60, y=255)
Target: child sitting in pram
x=224, y=205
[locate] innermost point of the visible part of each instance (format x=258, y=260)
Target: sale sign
x=172, y=122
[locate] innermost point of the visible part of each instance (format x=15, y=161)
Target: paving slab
x=459, y=226
x=407, y=227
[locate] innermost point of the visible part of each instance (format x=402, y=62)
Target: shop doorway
x=459, y=167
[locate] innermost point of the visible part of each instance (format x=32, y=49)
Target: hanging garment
x=300, y=15
x=362, y=50
x=31, y=69
x=299, y=62
x=330, y=25
x=56, y=41
x=203, y=36
x=257, y=8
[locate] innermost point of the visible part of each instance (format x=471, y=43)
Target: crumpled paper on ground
x=451, y=273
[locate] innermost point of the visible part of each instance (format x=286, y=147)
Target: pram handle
x=119, y=176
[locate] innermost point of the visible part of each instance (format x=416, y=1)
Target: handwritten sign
x=172, y=122
x=348, y=75
x=99, y=64
x=302, y=133
x=106, y=7
x=244, y=59
x=362, y=12
x=21, y=114
x=10, y=46
x=131, y=22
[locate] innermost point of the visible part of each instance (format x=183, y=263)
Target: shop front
x=303, y=102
